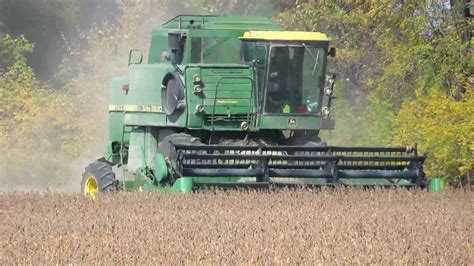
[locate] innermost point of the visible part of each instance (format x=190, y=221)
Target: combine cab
x=229, y=102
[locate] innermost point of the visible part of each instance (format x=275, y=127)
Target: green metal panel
x=116, y=118
x=161, y=169
x=142, y=101
x=143, y=147
x=437, y=184
x=226, y=90
x=290, y=122
x=159, y=44
x=145, y=83
x=145, y=119
x=192, y=100
x=183, y=184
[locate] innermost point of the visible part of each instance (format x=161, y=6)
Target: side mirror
x=135, y=57
x=166, y=56
x=332, y=52
x=176, y=42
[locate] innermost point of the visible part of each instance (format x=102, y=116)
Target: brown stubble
x=330, y=226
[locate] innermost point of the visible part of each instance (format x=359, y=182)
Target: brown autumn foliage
x=213, y=227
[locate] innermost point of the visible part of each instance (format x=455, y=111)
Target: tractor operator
x=278, y=80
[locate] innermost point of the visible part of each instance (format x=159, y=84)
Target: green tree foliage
x=16, y=78
x=402, y=60
x=36, y=133
x=13, y=50
x=443, y=127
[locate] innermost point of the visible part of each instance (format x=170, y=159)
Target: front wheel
x=98, y=178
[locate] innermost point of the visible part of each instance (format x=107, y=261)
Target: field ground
x=329, y=226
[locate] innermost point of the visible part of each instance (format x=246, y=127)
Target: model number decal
x=136, y=108
x=227, y=101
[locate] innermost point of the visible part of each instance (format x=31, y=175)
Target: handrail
x=215, y=98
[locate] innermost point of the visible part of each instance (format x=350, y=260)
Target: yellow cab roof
x=285, y=36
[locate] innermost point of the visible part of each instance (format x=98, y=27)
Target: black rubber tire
x=103, y=176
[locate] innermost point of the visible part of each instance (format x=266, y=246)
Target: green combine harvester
x=233, y=102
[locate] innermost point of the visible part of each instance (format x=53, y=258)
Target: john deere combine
x=229, y=102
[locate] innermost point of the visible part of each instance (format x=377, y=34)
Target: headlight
x=199, y=108
x=325, y=111
x=328, y=91
x=329, y=80
x=196, y=78
x=197, y=89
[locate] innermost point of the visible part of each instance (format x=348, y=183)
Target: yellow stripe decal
x=285, y=36
x=136, y=108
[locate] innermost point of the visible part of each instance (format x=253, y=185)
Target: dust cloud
x=89, y=57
